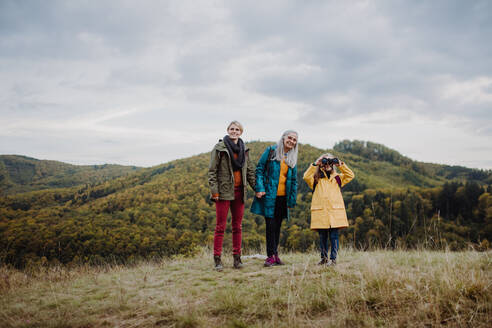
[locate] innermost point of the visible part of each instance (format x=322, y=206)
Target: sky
x=146, y=82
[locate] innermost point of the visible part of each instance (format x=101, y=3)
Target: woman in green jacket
x=230, y=168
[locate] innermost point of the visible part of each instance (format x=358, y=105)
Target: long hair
x=321, y=174
x=291, y=158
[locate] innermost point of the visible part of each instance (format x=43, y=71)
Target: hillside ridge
x=20, y=173
x=165, y=210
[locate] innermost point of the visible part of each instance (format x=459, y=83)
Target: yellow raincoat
x=327, y=207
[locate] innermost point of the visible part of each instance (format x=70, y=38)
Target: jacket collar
x=332, y=176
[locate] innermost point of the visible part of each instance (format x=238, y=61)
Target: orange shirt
x=282, y=178
x=238, y=181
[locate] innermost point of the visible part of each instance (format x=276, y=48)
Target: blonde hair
x=236, y=123
x=328, y=155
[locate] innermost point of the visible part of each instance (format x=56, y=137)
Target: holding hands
x=260, y=194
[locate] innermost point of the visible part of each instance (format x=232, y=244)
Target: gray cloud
x=388, y=53
x=179, y=68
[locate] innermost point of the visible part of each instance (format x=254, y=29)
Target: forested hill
x=164, y=210
x=21, y=174
x=370, y=151
x=378, y=167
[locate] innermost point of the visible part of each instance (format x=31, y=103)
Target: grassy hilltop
x=366, y=289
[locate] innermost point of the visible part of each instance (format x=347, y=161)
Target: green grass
x=365, y=289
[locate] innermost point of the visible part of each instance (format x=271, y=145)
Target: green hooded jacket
x=220, y=175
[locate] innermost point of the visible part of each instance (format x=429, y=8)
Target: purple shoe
x=269, y=261
x=277, y=260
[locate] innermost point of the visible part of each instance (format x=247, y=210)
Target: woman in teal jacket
x=276, y=189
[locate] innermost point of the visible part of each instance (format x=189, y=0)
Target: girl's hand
x=260, y=194
x=318, y=161
x=215, y=198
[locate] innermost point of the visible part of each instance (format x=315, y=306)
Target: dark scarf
x=238, y=149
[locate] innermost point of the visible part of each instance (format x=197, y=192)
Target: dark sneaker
x=238, y=264
x=278, y=261
x=331, y=263
x=323, y=261
x=218, y=263
x=269, y=261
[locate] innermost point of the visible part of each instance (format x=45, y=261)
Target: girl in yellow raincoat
x=327, y=207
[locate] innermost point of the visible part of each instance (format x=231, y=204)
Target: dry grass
x=366, y=289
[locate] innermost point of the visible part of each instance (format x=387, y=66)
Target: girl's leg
x=334, y=243
x=323, y=243
x=237, y=212
x=221, y=210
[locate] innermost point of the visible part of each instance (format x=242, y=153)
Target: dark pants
x=237, y=211
x=323, y=242
x=273, y=225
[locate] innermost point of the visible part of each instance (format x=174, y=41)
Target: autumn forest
x=51, y=212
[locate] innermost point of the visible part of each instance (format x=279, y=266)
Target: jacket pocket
x=316, y=207
x=337, y=206
x=224, y=187
x=336, y=201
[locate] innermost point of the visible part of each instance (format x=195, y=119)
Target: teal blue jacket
x=268, y=182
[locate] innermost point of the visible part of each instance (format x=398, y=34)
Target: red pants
x=237, y=211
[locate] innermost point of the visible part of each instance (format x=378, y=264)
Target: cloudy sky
x=145, y=82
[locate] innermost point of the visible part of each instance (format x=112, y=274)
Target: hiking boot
x=323, y=261
x=218, y=263
x=331, y=263
x=269, y=261
x=277, y=260
x=237, y=261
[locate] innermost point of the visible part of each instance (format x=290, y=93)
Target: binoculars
x=329, y=161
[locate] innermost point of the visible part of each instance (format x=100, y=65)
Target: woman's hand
x=260, y=194
x=214, y=198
